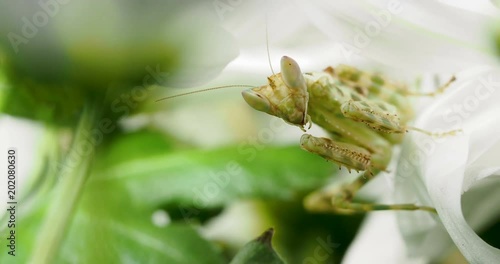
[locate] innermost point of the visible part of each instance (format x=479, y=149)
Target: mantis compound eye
x=257, y=101
x=291, y=73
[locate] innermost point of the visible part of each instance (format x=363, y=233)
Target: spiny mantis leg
x=340, y=200
x=381, y=120
x=353, y=157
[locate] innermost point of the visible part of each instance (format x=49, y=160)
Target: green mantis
x=365, y=114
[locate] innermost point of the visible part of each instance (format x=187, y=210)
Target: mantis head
x=285, y=95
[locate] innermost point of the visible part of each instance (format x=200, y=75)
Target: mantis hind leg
x=435, y=134
x=441, y=89
x=340, y=201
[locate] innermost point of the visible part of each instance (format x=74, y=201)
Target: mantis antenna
x=228, y=86
x=267, y=47
x=204, y=90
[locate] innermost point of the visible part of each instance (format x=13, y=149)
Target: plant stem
x=72, y=177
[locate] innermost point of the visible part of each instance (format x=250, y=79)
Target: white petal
x=446, y=195
x=451, y=165
x=419, y=36
x=485, y=7
x=480, y=203
x=368, y=248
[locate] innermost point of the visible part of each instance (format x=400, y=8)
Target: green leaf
x=109, y=230
x=308, y=237
x=210, y=178
x=259, y=250
x=27, y=224
x=106, y=229
x=137, y=145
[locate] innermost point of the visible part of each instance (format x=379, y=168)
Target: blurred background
x=107, y=175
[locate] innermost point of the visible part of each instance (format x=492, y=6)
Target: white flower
x=441, y=172
x=404, y=39
x=438, y=172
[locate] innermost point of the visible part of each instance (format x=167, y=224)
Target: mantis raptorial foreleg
x=353, y=158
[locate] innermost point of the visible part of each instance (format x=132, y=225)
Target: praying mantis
x=365, y=114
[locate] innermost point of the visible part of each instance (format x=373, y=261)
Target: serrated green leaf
x=258, y=251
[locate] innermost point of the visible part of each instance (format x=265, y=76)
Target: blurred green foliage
x=206, y=178
x=497, y=40
x=137, y=173
x=305, y=237
x=113, y=54
x=116, y=58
